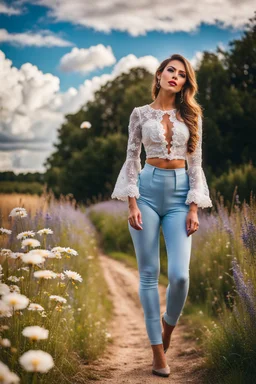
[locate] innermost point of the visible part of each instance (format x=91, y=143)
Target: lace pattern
x=126, y=184
x=145, y=128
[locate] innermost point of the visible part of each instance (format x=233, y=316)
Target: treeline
x=25, y=177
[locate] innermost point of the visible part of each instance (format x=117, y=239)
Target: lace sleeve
x=126, y=184
x=198, y=192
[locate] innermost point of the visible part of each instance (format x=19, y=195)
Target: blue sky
x=42, y=34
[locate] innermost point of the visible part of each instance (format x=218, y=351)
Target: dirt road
x=129, y=358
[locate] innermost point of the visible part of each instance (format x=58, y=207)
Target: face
x=174, y=71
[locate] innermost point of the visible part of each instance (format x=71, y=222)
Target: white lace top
x=145, y=127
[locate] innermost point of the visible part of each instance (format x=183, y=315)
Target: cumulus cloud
x=7, y=10
x=86, y=60
x=137, y=17
x=39, y=39
x=33, y=108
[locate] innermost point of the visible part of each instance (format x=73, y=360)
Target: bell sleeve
x=126, y=184
x=199, y=191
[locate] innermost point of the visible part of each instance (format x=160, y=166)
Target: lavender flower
x=249, y=237
x=245, y=291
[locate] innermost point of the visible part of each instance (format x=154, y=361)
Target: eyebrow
x=176, y=68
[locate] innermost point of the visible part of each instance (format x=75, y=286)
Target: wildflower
x=45, y=274
x=249, y=236
x=73, y=275
x=4, y=289
x=43, y=252
x=36, y=361
x=5, y=343
x=35, y=333
x=90, y=257
x=245, y=291
x=6, y=376
x=59, y=299
x=29, y=258
x=16, y=255
x=13, y=279
x=45, y=231
x=30, y=242
x=61, y=276
x=35, y=307
x=16, y=300
x=21, y=212
x=4, y=231
x=14, y=288
x=5, y=252
x=5, y=310
x=85, y=124
x=58, y=249
x=24, y=235
x=71, y=251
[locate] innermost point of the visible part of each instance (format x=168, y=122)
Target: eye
x=181, y=74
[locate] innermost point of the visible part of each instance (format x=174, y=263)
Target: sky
x=55, y=54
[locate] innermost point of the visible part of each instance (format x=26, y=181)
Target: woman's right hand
x=135, y=218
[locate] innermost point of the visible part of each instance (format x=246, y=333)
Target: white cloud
x=33, y=108
x=39, y=39
x=86, y=60
x=5, y=9
x=137, y=17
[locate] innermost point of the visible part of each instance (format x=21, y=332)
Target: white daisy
x=73, y=275
x=35, y=307
x=59, y=299
x=35, y=333
x=6, y=376
x=16, y=300
x=4, y=231
x=71, y=251
x=5, y=310
x=4, y=289
x=43, y=252
x=5, y=252
x=21, y=212
x=29, y=258
x=15, y=255
x=5, y=343
x=45, y=231
x=13, y=279
x=24, y=235
x=45, y=274
x=36, y=361
x=58, y=249
x=85, y=124
x=30, y=242
x=14, y=288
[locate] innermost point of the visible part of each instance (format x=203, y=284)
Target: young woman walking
x=164, y=194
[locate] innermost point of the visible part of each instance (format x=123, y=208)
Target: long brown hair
x=189, y=109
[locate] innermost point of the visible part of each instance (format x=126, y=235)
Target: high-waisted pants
x=162, y=204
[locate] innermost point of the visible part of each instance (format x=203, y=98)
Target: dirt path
x=129, y=358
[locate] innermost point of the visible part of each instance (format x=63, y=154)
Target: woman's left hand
x=192, y=223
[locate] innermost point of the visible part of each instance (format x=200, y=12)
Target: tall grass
x=75, y=305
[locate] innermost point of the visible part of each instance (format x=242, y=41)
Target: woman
x=164, y=194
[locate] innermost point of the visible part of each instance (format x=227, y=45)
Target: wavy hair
x=189, y=109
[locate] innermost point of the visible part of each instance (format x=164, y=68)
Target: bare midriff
x=165, y=163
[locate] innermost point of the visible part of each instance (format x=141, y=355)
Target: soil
x=128, y=358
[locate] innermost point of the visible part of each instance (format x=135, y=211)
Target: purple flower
x=249, y=236
x=245, y=291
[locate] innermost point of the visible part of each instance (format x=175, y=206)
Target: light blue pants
x=162, y=203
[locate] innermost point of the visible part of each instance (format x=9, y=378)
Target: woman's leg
x=146, y=245
x=178, y=246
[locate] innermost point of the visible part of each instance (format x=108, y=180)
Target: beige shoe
x=164, y=372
